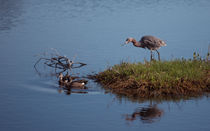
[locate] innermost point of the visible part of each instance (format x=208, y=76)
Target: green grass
x=158, y=78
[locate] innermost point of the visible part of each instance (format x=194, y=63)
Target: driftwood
x=58, y=61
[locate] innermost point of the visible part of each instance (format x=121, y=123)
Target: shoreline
x=157, y=79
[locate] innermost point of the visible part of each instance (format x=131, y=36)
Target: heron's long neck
x=136, y=43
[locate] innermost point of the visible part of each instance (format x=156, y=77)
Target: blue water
x=92, y=31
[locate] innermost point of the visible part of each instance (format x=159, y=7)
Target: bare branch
x=57, y=61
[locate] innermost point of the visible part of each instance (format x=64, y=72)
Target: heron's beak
x=124, y=43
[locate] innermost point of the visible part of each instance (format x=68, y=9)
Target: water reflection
x=10, y=11
x=147, y=114
x=70, y=91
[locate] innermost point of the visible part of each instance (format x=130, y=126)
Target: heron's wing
x=150, y=43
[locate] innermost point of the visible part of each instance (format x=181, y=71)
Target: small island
x=158, y=79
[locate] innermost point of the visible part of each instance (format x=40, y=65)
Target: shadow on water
x=10, y=11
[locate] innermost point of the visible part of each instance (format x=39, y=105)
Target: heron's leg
x=158, y=55
x=151, y=55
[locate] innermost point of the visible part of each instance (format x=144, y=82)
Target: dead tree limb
x=57, y=61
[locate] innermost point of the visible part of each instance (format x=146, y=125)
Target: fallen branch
x=57, y=61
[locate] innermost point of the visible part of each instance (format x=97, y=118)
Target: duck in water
x=68, y=82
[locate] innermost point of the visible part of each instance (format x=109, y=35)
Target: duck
x=78, y=84
x=61, y=81
x=69, y=82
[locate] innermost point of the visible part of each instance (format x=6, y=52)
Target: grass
x=173, y=78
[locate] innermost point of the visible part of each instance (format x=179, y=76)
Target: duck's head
x=60, y=76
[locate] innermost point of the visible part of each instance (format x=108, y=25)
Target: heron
x=150, y=42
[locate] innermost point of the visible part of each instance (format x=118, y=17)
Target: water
x=92, y=32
